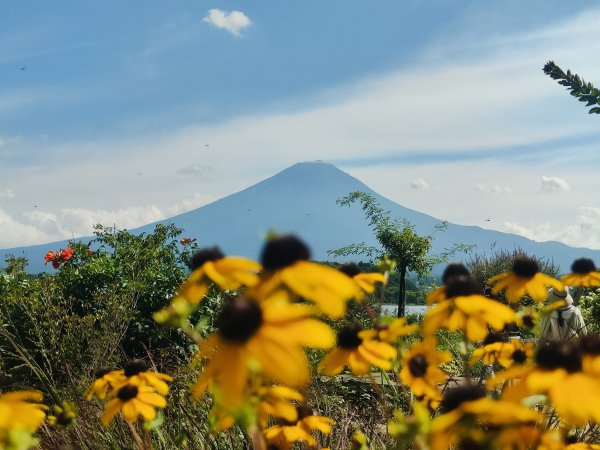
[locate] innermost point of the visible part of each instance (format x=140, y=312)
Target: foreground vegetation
x=123, y=347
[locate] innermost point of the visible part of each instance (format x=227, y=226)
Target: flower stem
x=136, y=436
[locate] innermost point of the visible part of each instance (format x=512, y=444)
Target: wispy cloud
x=194, y=169
x=8, y=193
x=554, y=184
x=418, y=184
x=234, y=21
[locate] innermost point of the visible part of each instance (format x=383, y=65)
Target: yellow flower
x=364, y=281
x=491, y=349
x=211, y=265
x=284, y=434
x=575, y=395
x=392, y=331
x=590, y=348
x=136, y=372
x=464, y=310
x=65, y=415
x=421, y=371
x=286, y=265
x=275, y=402
x=271, y=335
x=105, y=379
x=268, y=401
x=21, y=409
x=465, y=407
x=133, y=401
x=358, y=349
x=525, y=279
x=584, y=274
x=451, y=272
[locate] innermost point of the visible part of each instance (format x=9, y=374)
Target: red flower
x=67, y=254
x=89, y=251
x=55, y=264
x=50, y=256
x=187, y=241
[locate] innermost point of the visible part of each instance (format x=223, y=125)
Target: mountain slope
x=302, y=199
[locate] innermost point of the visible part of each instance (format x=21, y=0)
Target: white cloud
x=554, y=184
x=8, y=193
x=494, y=189
x=36, y=227
x=2, y=142
x=419, y=184
x=582, y=229
x=233, y=21
x=194, y=169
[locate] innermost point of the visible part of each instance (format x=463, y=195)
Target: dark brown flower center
x=492, y=338
x=519, y=356
x=102, y=371
x=559, y=355
x=350, y=269
x=590, y=344
x=127, y=392
x=583, y=266
x=454, y=397
x=528, y=321
x=283, y=251
x=525, y=267
x=64, y=419
x=348, y=337
x=461, y=285
x=239, y=319
x=204, y=255
x=454, y=270
x=418, y=365
x=135, y=367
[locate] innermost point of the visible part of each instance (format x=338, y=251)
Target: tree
x=397, y=238
x=585, y=92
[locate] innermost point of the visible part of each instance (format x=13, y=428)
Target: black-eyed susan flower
x=21, y=410
x=359, y=441
x=286, y=265
x=590, y=350
x=267, y=402
x=583, y=273
x=64, y=415
x=358, y=349
x=575, y=395
x=283, y=435
x=270, y=336
x=466, y=409
x=210, y=265
x=133, y=401
x=365, y=282
x=390, y=332
x=525, y=279
x=136, y=372
x=491, y=349
x=451, y=272
x=105, y=379
x=275, y=401
x=467, y=311
x=421, y=370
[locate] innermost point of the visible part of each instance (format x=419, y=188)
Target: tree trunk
x=402, y=293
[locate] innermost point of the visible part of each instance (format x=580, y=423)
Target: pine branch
x=585, y=92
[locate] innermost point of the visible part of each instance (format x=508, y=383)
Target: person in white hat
x=563, y=323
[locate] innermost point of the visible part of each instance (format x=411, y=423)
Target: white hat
x=554, y=295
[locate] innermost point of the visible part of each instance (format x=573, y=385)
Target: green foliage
x=589, y=303
x=398, y=240
x=483, y=267
x=584, y=92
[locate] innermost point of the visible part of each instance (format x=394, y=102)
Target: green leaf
x=595, y=110
x=157, y=422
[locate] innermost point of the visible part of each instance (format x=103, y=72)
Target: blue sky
x=117, y=113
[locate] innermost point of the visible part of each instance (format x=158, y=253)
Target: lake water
x=392, y=310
